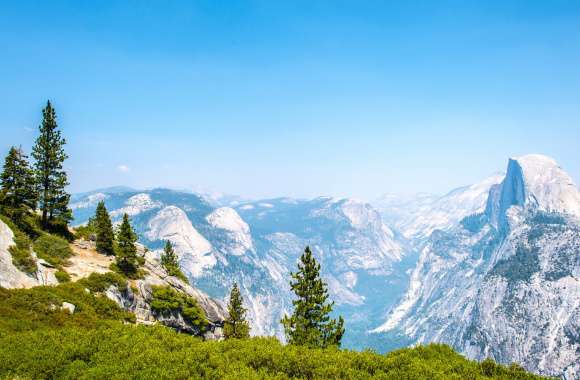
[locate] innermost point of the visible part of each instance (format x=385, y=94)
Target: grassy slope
x=40, y=342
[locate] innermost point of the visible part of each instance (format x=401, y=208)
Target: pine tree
x=235, y=325
x=126, y=251
x=170, y=263
x=310, y=324
x=169, y=258
x=51, y=178
x=104, y=230
x=17, y=186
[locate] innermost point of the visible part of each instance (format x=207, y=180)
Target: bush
x=86, y=232
x=98, y=282
x=39, y=307
x=54, y=249
x=139, y=352
x=166, y=300
x=62, y=276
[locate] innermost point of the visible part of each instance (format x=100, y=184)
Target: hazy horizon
x=301, y=99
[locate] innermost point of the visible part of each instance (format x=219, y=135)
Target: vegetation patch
x=40, y=307
x=62, y=276
x=100, y=282
x=54, y=249
x=166, y=300
x=519, y=267
x=139, y=352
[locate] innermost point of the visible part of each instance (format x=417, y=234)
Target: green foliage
x=99, y=282
x=165, y=300
x=310, y=324
x=40, y=307
x=54, y=249
x=62, y=276
x=126, y=252
x=170, y=263
x=17, y=186
x=138, y=352
x=87, y=231
x=51, y=178
x=104, y=230
x=20, y=251
x=235, y=325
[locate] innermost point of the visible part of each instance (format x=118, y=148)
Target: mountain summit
x=504, y=283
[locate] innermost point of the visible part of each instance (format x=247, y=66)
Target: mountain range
x=492, y=268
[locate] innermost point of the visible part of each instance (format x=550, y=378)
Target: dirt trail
x=86, y=260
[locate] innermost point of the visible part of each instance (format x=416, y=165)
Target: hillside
x=84, y=268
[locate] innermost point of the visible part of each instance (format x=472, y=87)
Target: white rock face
x=365, y=230
x=12, y=277
x=418, y=216
x=507, y=284
x=238, y=231
x=195, y=252
x=534, y=182
x=136, y=205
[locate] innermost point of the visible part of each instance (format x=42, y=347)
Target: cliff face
x=505, y=283
x=136, y=298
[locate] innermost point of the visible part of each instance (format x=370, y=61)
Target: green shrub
x=54, y=249
x=62, y=276
x=139, y=352
x=20, y=251
x=175, y=271
x=99, y=282
x=39, y=307
x=165, y=300
x=86, y=231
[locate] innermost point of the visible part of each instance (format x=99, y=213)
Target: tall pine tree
x=126, y=251
x=235, y=325
x=104, y=230
x=310, y=324
x=51, y=178
x=18, y=194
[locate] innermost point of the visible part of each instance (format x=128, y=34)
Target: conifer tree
x=51, y=178
x=169, y=258
x=310, y=324
x=17, y=187
x=126, y=251
x=235, y=325
x=104, y=230
x=169, y=261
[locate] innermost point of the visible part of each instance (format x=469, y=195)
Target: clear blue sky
x=299, y=98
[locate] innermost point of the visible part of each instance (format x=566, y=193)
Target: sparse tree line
x=34, y=195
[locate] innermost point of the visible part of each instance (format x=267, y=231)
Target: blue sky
x=297, y=98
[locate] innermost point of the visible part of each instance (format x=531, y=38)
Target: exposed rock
x=12, y=277
x=68, y=306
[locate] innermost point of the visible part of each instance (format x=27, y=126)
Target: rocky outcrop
x=11, y=276
x=136, y=298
